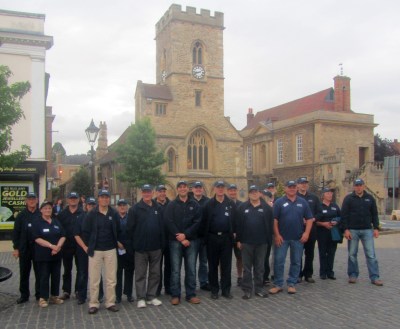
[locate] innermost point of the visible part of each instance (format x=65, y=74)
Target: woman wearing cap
x=49, y=237
x=326, y=221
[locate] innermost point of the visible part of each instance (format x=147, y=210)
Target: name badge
x=29, y=225
x=226, y=213
x=46, y=230
x=246, y=211
x=324, y=211
x=333, y=208
x=367, y=200
x=260, y=210
x=299, y=205
x=285, y=204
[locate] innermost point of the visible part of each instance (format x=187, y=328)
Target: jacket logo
x=260, y=210
x=155, y=212
x=367, y=200
x=190, y=208
x=246, y=211
x=109, y=218
x=56, y=227
x=299, y=205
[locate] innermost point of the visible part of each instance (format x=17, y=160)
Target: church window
x=299, y=148
x=249, y=156
x=171, y=160
x=197, y=151
x=197, y=53
x=161, y=109
x=198, y=97
x=279, y=147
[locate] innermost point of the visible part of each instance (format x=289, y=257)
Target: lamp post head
x=92, y=132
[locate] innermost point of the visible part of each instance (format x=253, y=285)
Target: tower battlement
x=175, y=12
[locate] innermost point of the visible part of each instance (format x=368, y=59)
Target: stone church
x=186, y=104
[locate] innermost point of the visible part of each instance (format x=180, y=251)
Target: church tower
x=186, y=105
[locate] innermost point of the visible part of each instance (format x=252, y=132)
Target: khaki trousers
x=107, y=260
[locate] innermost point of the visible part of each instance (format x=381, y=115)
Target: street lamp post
x=91, y=133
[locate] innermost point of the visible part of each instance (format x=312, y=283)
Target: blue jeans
x=296, y=251
x=189, y=254
x=367, y=240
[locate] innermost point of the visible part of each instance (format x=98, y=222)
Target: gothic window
x=197, y=151
x=197, y=53
x=299, y=148
x=263, y=156
x=279, y=147
x=249, y=156
x=171, y=160
x=198, y=97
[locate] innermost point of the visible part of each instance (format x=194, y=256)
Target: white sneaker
x=155, y=302
x=141, y=303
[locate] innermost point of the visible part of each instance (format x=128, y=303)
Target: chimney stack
x=250, y=116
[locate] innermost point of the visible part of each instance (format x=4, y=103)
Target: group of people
x=150, y=240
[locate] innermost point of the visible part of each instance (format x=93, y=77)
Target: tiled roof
x=323, y=100
x=156, y=91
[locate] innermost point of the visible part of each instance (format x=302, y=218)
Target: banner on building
x=12, y=201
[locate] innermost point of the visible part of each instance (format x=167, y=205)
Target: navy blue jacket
x=183, y=217
x=140, y=235
x=68, y=221
x=90, y=228
x=359, y=212
x=22, y=233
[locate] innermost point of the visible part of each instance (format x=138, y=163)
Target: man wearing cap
x=309, y=246
x=23, y=245
x=233, y=195
x=68, y=218
x=183, y=218
x=101, y=233
x=81, y=254
x=165, y=273
x=218, y=217
x=290, y=211
x=360, y=222
x=198, y=195
x=145, y=235
x=126, y=262
x=253, y=234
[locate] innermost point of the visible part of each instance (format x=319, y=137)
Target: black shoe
x=309, y=280
x=65, y=296
x=262, y=294
x=227, y=296
x=118, y=300
x=299, y=279
x=239, y=281
x=214, y=296
x=81, y=301
x=167, y=292
x=205, y=287
x=22, y=300
x=130, y=299
x=332, y=277
x=267, y=282
x=246, y=295
x=113, y=308
x=93, y=310
x=322, y=277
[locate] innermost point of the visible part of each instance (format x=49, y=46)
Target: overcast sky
x=275, y=52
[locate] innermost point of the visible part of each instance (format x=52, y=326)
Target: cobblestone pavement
x=325, y=304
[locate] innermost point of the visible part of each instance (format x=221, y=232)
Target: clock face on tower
x=198, y=72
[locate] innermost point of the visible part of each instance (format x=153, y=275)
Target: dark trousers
x=147, y=265
x=309, y=248
x=125, y=270
x=50, y=273
x=68, y=259
x=267, y=267
x=327, y=250
x=219, y=253
x=253, y=256
x=82, y=274
x=25, y=264
x=165, y=273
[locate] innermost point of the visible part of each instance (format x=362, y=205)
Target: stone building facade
x=186, y=105
x=317, y=136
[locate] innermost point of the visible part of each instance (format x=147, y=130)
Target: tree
x=139, y=156
x=81, y=182
x=57, y=148
x=10, y=113
x=383, y=147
